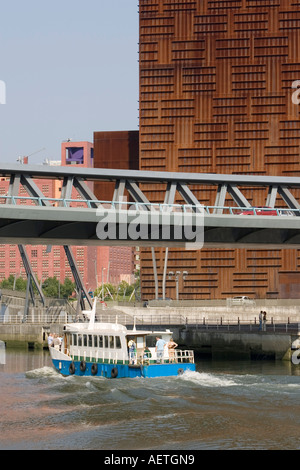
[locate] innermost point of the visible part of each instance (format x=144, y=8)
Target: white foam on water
x=207, y=380
x=42, y=372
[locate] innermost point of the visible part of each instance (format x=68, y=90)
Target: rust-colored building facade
x=119, y=150
x=216, y=97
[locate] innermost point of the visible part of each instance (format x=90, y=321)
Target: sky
x=70, y=68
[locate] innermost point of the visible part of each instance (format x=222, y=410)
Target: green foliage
x=120, y=292
x=8, y=283
x=67, y=288
x=51, y=286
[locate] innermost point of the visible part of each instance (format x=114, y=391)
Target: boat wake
x=207, y=380
x=41, y=372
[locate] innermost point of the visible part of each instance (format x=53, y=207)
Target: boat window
x=150, y=341
x=74, y=340
x=118, y=342
x=106, y=341
x=100, y=341
x=90, y=341
x=111, y=342
x=79, y=340
x=95, y=341
x=69, y=339
x=84, y=340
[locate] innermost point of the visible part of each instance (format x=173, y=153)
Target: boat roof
x=95, y=328
x=110, y=328
x=100, y=327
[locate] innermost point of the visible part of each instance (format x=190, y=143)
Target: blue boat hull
x=90, y=369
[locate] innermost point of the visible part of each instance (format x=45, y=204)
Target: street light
x=102, y=283
x=177, y=276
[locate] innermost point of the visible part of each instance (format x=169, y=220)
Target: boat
x=99, y=349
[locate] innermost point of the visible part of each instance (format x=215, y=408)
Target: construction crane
x=25, y=159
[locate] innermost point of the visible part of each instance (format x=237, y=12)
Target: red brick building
x=94, y=263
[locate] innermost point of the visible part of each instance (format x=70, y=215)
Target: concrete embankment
x=27, y=335
x=218, y=312
x=238, y=345
x=231, y=343
x=187, y=323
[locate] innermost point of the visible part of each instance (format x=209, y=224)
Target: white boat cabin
x=108, y=342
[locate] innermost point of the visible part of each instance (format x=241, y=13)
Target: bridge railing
x=138, y=206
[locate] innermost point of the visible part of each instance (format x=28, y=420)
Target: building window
x=74, y=155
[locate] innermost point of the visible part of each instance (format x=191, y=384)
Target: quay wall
x=217, y=313
x=237, y=345
x=215, y=344
x=212, y=343
x=27, y=335
x=184, y=322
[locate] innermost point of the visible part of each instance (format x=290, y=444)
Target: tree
x=50, y=287
x=125, y=289
x=8, y=283
x=21, y=284
x=67, y=288
x=107, y=288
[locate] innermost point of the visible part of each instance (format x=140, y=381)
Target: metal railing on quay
x=254, y=326
x=160, y=319
x=203, y=323
x=165, y=320
x=36, y=320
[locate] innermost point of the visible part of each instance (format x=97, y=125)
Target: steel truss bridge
x=37, y=219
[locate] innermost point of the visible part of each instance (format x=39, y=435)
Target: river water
x=223, y=405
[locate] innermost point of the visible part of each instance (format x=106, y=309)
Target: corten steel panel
x=120, y=150
x=216, y=96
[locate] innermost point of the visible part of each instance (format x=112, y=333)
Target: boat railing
x=99, y=355
x=184, y=355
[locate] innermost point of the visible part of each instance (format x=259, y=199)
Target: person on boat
x=56, y=342
x=146, y=355
x=171, y=348
x=50, y=340
x=132, y=351
x=159, y=349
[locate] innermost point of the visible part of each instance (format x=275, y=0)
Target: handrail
x=184, y=355
x=197, y=322
x=161, y=207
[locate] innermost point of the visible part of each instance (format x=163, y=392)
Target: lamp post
x=177, y=276
x=102, y=283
